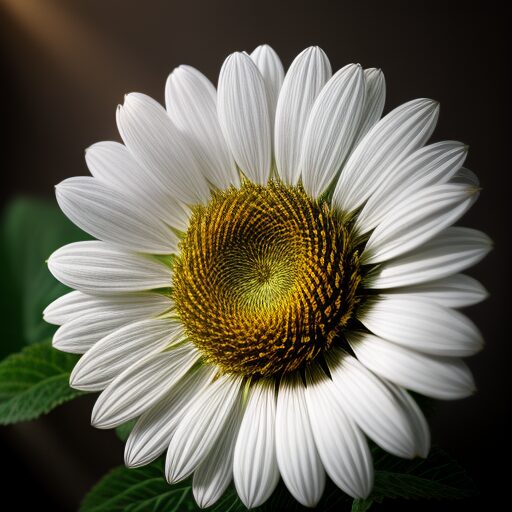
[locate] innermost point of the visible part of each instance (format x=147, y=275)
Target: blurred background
x=65, y=66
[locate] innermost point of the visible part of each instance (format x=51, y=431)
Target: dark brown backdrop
x=67, y=65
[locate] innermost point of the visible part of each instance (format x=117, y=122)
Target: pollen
x=266, y=278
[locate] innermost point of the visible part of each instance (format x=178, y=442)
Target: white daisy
x=275, y=265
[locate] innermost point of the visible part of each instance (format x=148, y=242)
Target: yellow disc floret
x=265, y=279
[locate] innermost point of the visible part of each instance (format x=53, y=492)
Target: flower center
x=266, y=278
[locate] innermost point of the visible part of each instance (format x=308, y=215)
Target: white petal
x=95, y=267
x=255, y=468
x=375, y=98
x=121, y=349
x=81, y=333
x=445, y=378
x=130, y=307
x=416, y=220
x=271, y=69
x=108, y=215
x=466, y=177
x=297, y=456
x=191, y=101
x=157, y=143
x=305, y=78
x=455, y=291
x=153, y=431
x=96, y=317
x=422, y=325
x=392, y=139
x=214, y=474
x=113, y=164
x=201, y=427
x=453, y=250
x=67, y=307
x=342, y=446
x=142, y=385
x=373, y=406
x=331, y=128
x=416, y=418
x=427, y=166
x=244, y=116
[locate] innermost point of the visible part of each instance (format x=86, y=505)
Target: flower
x=275, y=265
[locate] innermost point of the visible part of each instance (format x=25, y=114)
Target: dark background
x=66, y=65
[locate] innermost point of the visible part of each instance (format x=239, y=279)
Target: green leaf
x=361, y=505
x=436, y=477
x=123, y=431
x=142, y=489
x=138, y=489
x=31, y=230
x=33, y=382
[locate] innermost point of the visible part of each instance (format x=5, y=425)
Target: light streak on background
x=73, y=44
